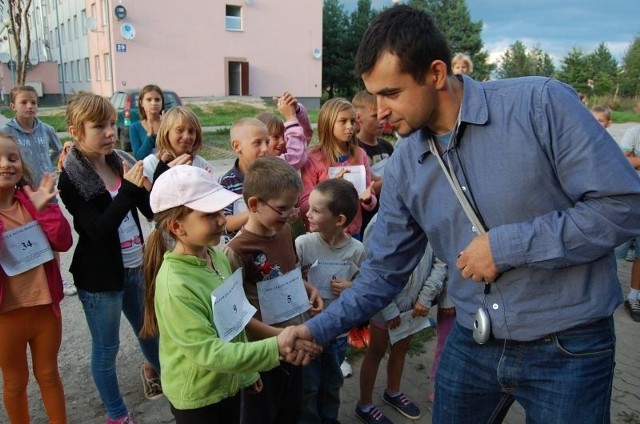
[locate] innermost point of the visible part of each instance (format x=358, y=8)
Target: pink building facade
x=207, y=48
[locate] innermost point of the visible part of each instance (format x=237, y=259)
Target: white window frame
x=233, y=17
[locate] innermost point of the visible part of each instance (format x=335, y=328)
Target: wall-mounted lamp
x=249, y=2
x=317, y=53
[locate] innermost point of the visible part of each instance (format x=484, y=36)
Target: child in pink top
x=337, y=147
x=30, y=290
x=289, y=139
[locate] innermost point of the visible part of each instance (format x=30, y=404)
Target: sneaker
x=127, y=419
x=152, y=387
x=403, y=405
x=633, y=308
x=69, y=289
x=346, y=369
x=374, y=416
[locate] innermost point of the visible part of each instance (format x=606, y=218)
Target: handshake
x=296, y=345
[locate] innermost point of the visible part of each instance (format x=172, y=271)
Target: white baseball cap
x=190, y=186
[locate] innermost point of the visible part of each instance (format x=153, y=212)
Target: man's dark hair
x=410, y=34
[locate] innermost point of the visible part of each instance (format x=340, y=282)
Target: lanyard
x=478, y=228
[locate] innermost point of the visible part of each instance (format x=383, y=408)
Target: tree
x=360, y=20
x=336, y=64
x=604, y=70
x=20, y=32
x=630, y=73
x=541, y=62
x=515, y=62
x=576, y=70
x=464, y=35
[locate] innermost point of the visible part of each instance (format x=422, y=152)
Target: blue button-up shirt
x=551, y=186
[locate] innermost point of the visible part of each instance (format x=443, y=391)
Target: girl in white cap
x=205, y=361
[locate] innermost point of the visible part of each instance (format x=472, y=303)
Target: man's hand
x=476, y=262
x=296, y=345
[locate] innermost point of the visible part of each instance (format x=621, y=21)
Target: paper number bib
x=24, y=248
x=282, y=298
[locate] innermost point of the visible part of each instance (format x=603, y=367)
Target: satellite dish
x=4, y=57
x=127, y=31
x=317, y=53
x=91, y=23
x=120, y=11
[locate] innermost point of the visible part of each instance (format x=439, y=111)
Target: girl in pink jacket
x=30, y=285
x=337, y=149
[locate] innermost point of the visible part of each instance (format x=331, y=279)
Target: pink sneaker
x=127, y=419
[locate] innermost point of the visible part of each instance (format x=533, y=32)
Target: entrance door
x=238, y=78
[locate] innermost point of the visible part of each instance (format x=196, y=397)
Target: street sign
x=121, y=48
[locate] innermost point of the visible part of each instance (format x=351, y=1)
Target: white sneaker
x=69, y=289
x=346, y=369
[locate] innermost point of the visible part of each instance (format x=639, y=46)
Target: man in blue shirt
x=555, y=195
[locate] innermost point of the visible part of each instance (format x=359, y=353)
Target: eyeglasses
x=283, y=214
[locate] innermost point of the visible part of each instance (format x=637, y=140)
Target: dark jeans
x=565, y=377
x=279, y=402
x=321, y=383
x=227, y=411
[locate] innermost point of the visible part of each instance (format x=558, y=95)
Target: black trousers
x=227, y=411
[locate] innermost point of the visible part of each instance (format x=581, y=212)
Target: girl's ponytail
x=155, y=248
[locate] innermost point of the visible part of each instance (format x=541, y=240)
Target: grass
x=623, y=116
x=216, y=145
x=223, y=114
x=209, y=115
x=56, y=120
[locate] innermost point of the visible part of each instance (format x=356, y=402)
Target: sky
x=555, y=25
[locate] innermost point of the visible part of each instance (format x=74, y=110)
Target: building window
x=59, y=72
x=105, y=12
x=62, y=34
x=233, y=20
x=72, y=72
x=87, y=68
x=71, y=35
x=83, y=20
x=96, y=60
x=94, y=11
x=52, y=41
x=78, y=70
x=75, y=26
x=107, y=66
x=66, y=72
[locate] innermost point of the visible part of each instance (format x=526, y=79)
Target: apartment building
x=194, y=47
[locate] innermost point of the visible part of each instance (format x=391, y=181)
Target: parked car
x=126, y=104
